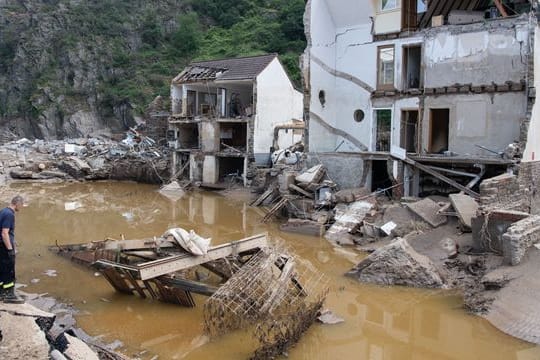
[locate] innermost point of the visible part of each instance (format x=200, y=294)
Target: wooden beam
x=439, y=176
x=188, y=285
x=138, y=244
x=501, y=8
x=153, y=269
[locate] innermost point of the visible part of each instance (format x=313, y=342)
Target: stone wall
x=506, y=192
x=529, y=178
x=519, y=237
x=345, y=169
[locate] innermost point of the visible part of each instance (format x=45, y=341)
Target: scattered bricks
x=429, y=91
x=440, y=90
x=451, y=90
x=519, y=237
x=389, y=93
x=378, y=93
x=503, y=87
x=415, y=92
x=489, y=88
x=476, y=89
x=464, y=89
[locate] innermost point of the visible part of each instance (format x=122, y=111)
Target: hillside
x=69, y=68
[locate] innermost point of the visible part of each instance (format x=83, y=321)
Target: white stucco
x=532, y=149
x=278, y=102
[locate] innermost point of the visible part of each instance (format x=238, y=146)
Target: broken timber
x=170, y=264
x=440, y=176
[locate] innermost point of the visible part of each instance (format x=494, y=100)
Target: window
x=385, y=68
x=383, y=118
x=388, y=4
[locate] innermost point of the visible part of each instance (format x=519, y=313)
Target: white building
x=228, y=114
x=447, y=83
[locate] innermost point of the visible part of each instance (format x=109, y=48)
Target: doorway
x=379, y=175
x=439, y=120
x=409, y=130
x=412, y=63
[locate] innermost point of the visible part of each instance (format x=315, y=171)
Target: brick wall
x=519, y=237
x=529, y=178
x=505, y=192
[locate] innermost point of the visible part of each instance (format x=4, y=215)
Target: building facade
x=445, y=84
x=227, y=115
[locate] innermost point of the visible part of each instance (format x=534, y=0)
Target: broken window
x=383, y=120
x=409, y=129
x=412, y=62
x=207, y=104
x=439, y=120
x=388, y=4
x=191, y=103
x=385, y=68
x=233, y=137
x=188, y=136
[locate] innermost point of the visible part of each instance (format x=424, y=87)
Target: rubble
x=398, y=264
x=348, y=221
x=135, y=158
x=427, y=210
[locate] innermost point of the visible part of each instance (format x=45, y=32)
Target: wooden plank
x=134, y=282
x=153, y=269
x=188, y=285
x=263, y=197
x=298, y=189
x=138, y=244
x=501, y=8
x=439, y=176
x=281, y=203
x=117, y=281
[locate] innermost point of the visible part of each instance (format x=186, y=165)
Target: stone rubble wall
x=504, y=192
x=519, y=237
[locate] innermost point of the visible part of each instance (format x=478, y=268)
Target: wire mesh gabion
x=277, y=292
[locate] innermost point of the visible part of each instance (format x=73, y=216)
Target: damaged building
x=434, y=95
x=230, y=114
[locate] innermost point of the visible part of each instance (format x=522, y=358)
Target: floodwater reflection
x=380, y=323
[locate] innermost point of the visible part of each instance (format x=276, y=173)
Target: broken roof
x=244, y=68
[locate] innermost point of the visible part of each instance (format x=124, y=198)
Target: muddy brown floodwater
x=380, y=323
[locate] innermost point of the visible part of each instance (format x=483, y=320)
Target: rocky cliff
x=63, y=64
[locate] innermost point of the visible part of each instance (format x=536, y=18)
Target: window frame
x=391, y=9
x=386, y=86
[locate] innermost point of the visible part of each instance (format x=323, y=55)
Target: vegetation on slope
x=126, y=52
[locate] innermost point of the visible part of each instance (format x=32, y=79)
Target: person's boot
x=2, y=293
x=11, y=297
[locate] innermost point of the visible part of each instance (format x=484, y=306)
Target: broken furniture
x=159, y=268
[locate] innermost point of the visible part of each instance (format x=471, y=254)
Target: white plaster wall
x=532, y=149
x=479, y=57
x=278, y=102
x=504, y=112
x=176, y=98
x=323, y=32
x=388, y=22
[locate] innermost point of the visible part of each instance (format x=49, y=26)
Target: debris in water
x=50, y=273
x=34, y=281
x=71, y=206
x=329, y=318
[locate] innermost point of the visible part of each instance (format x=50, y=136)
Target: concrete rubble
x=398, y=264
x=40, y=329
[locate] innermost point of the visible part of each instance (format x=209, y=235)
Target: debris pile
x=137, y=157
x=282, y=299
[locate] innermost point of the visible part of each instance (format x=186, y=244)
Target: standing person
x=7, y=252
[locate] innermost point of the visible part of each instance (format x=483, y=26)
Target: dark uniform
x=7, y=258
